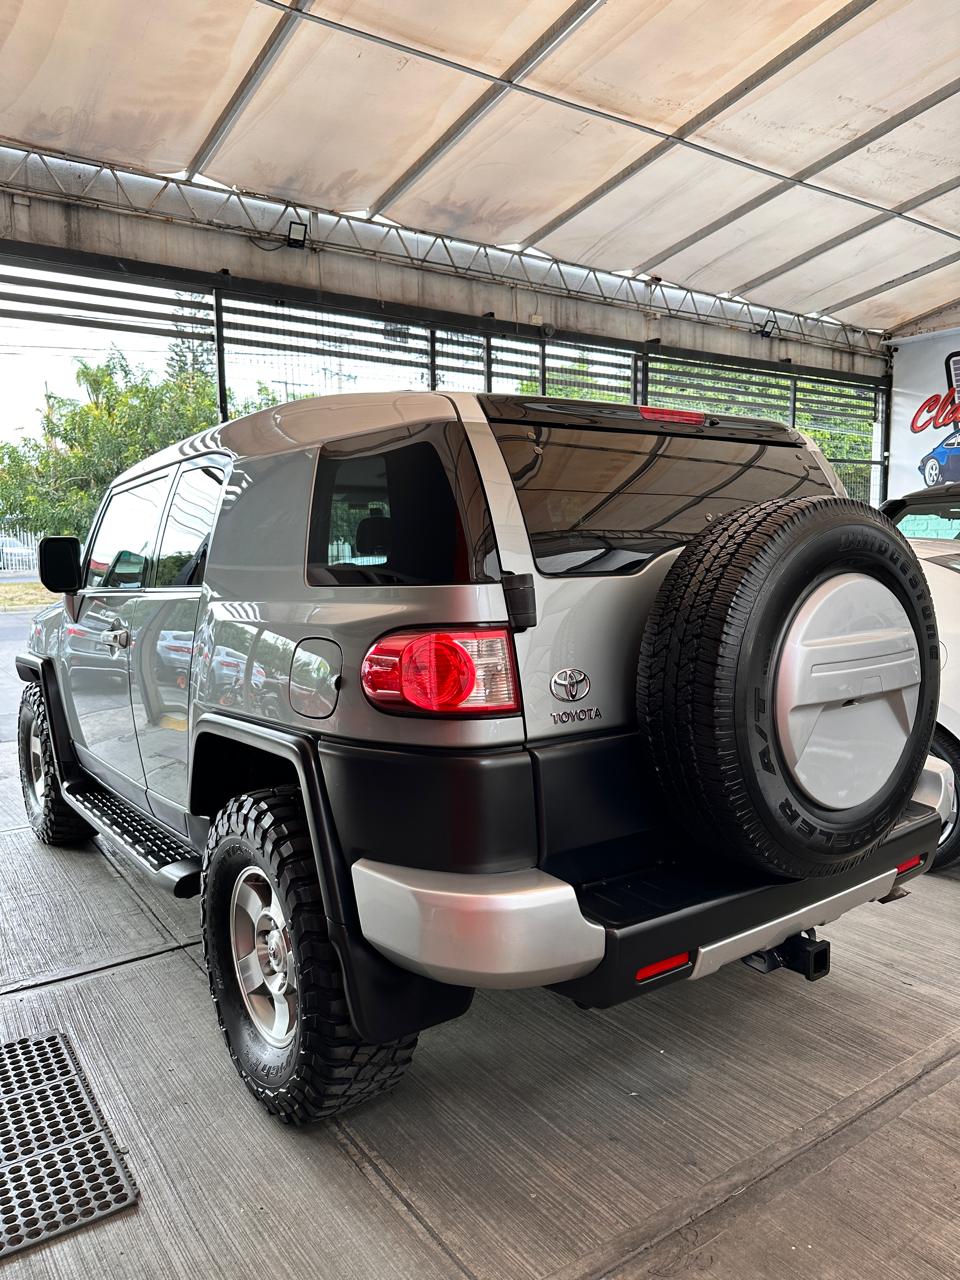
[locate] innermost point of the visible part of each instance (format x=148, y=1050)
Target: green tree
x=52, y=484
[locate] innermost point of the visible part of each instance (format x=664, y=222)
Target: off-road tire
x=947, y=748
x=707, y=671
x=327, y=1067
x=50, y=817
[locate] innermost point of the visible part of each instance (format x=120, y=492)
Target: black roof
x=934, y=493
x=546, y=411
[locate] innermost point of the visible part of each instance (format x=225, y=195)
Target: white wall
x=925, y=411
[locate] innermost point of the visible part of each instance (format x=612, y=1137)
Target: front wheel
x=948, y=850
x=931, y=472
x=274, y=975
x=49, y=815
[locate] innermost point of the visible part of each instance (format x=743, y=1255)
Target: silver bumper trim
x=716, y=954
x=936, y=787
x=509, y=929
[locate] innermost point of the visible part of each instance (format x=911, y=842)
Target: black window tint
x=400, y=508
x=119, y=555
x=186, y=534
x=599, y=502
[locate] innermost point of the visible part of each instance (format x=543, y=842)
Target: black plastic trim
x=668, y=913
x=385, y=1002
x=441, y=811
x=34, y=669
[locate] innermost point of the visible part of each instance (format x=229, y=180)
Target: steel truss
x=42, y=175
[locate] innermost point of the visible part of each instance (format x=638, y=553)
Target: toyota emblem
x=570, y=684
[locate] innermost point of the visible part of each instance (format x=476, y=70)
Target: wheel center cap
x=276, y=950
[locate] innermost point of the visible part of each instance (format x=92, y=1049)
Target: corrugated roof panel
x=915, y=298
x=663, y=61
x=489, y=36
x=669, y=199
x=869, y=261
x=912, y=159
x=136, y=84
x=337, y=119
x=761, y=241
x=892, y=55
x=522, y=163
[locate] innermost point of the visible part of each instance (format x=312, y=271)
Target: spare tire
x=788, y=684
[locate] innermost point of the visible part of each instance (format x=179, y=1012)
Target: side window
x=119, y=556
x=186, y=535
x=404, y=506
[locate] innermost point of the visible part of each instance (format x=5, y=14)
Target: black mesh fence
x=275, y=349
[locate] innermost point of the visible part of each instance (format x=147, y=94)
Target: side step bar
x=146, y=843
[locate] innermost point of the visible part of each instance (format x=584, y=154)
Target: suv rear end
x=535, y=847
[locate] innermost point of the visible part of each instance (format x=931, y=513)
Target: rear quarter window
x=400, y=508
x=603, y=502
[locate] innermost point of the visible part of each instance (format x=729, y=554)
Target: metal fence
x=18, y=550
x=268, y=348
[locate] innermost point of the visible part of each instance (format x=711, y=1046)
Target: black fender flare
x=33, y=668
x=385, y=1001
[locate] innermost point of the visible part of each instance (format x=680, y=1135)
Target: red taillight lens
x=663, y=966
x=672, y=415
x=909, y=864
x=466, y=672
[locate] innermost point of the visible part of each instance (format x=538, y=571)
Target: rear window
x=930, y=520
x=604, y=502
x=400, y=508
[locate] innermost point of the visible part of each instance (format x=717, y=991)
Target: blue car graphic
x=942, y=463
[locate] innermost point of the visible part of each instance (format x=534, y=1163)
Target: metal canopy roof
x=801, y=154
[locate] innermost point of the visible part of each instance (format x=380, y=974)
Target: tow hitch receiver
x=803, y=953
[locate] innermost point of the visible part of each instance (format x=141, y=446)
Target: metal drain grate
x=59, y=1165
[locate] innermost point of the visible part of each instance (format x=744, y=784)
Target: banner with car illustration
x=925, y=421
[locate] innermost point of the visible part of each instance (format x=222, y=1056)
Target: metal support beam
x=875, y=292
x=275, y=43
x=71, y=182
x=835, y=241
x=223, y=398
x=708, y=113
x=551, y=39
x=597, y=113
x=800, y=178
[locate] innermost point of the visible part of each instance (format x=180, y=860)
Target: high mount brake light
x=671, y=415
x=444, y=672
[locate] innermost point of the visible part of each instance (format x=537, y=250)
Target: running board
x=145, y=842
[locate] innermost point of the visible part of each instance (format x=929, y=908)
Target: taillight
x=671, y=415
x=464, y=672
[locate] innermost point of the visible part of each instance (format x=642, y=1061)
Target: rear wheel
x=788, y=683
x=948, y=850
x=274, y=975
x=52, y=819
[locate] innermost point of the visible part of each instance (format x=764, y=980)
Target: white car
x=930, y=518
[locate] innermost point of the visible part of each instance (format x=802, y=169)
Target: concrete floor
x=736, y=1128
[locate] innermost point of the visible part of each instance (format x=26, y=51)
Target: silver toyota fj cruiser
x=425, y=692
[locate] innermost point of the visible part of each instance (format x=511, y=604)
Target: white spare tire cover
x=788, y=684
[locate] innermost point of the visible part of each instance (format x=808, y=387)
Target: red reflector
x=442, y=671
x=909, y=864
x=663, y=966
x=672, y=415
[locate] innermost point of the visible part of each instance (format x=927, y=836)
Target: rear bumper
x=528, y=928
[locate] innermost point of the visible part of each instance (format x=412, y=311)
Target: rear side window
x=400, y=508
x=604, y=502
x=186, y=534
x=930, y=520
x=125, y=537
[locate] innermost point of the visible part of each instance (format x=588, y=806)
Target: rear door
x=97, y=642
x=165, y=627
x=606, y=500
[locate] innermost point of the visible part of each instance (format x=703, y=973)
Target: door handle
x=116, y=639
